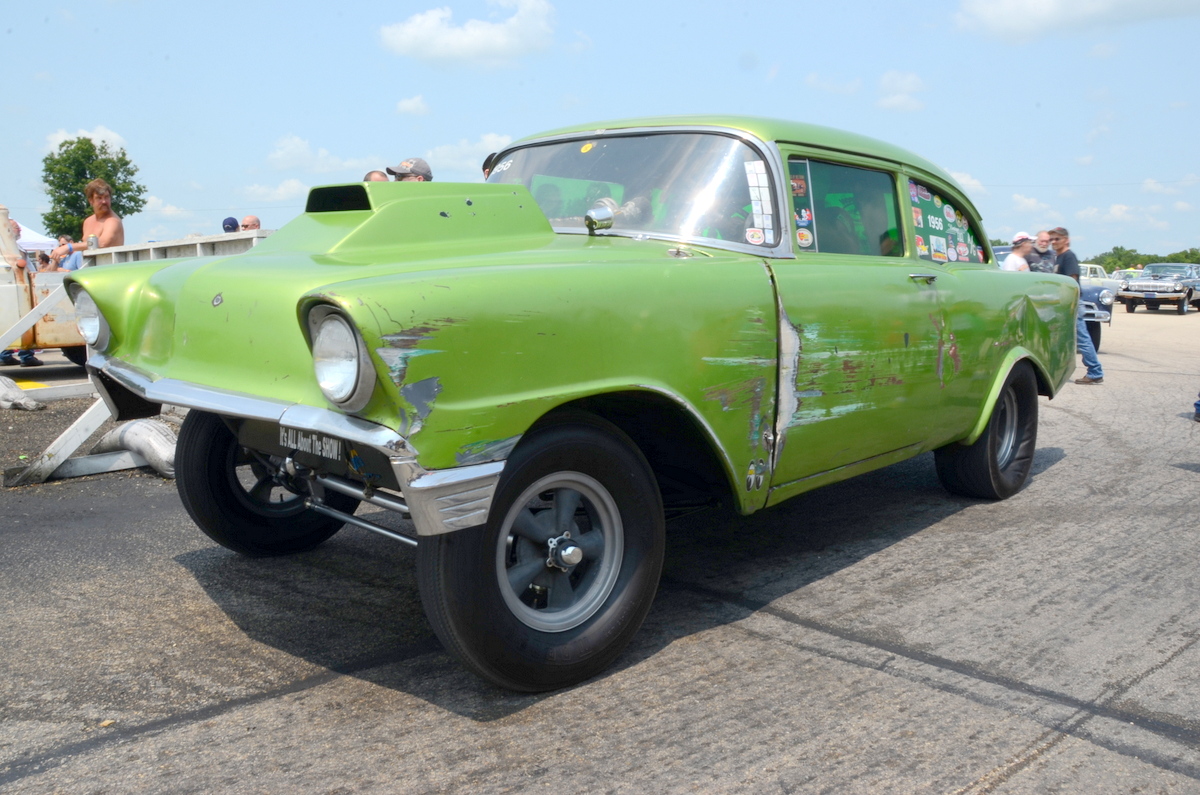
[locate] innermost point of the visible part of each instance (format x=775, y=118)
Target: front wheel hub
x=563, y=553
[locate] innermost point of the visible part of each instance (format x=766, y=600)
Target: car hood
x=236, y=323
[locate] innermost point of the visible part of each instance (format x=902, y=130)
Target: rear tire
x=508, y=614
x=997, y=465
x=229, y=492
x=1130, y=305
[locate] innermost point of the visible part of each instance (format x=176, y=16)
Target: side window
x=944, y=234
x=844, y=209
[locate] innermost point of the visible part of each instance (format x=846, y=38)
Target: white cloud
x=1086, y=160
x=465, y=157
x=972, y=185
x=294, y=153
x=158, y=206
x=413, y=106
x=100, y=134
x=1183, y=207
x=431, y=36
x=1124, y=214
x=1154, y=186
x=1017, y=18
x=1025, y=204
x=288, y=189
x=897, y=91
x=814, y=80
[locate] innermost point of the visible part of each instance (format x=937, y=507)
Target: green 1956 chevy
x=628, y=320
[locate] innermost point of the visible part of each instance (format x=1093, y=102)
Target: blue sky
x=1079, y=113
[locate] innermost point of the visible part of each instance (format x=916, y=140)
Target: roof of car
x=771, y=130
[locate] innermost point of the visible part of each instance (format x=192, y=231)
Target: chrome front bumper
x=440, y=501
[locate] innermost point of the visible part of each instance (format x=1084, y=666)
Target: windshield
x=676, y=185
x=1149, y=270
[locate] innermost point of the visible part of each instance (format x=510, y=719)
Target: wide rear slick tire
x=228, y=491
x=997, y=465
x=499, y=598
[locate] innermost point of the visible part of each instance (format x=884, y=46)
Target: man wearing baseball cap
x=1068, y=265
x=412, y=170
x=1022, y=244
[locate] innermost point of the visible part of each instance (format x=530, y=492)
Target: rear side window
x=844, y=210
x=943, y=232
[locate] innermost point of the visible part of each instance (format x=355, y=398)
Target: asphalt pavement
x=878, y=635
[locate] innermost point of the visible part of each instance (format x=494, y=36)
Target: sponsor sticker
x=313, y=443
x=922, y=247
x=948, y=212
x=804, y=238
x=755, y=237
x=799, y=185
x=937, y=201
x=964, y=251
x=924, y=193
x=804, y=217
x=917, y=216
x=587, y=148
x=912, y=191
x=938, y=246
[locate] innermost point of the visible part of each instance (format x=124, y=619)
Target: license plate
x=1151, y=296
x=317, y=444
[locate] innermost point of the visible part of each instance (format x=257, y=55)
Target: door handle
x=929, y=278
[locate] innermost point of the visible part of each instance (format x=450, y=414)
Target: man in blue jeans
x=1067, y=264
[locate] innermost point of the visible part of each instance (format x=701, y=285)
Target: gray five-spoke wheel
x=559, y=551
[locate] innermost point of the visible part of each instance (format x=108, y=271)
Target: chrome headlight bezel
x=89, y=320
x=341, y=363
x=1106, y=297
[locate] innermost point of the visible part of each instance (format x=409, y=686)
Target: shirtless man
x=103, y=222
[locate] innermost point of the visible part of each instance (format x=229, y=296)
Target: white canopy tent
x=34, y=241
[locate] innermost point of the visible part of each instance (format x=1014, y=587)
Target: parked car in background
x=629, y=321
x=1163, y=283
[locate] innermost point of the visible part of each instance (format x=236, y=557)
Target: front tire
x=555, y=585
x=230, y=492
x=1183, y=307
x=1130, y=305
x=75, y=354
x=997, y=465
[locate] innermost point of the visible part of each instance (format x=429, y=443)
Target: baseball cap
x=230, y=224
x=414, y=165
x=1021, y=237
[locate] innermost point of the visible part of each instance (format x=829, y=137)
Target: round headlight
x=89, y=320
x=1178, y=287
x=1124, y=285
x=1106, y=297
x=335, y=358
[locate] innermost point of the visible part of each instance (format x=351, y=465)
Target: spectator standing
x=25, y=358
x=250, y=222
x=1041, y=259
x=72, y=261
x=1068, y=265
x=230, y=224
x=1022, y=245
x=1197, y=407
x=375, y=176
x=488, y=163
x=412, y=170
x=103, y=223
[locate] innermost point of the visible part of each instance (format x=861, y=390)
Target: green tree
x=67, y=171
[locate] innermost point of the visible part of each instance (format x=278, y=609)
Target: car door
x=863, y=340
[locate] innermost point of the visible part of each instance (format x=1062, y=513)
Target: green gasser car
x=628, y=321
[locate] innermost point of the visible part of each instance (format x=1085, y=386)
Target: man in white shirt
x=1022, y=244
